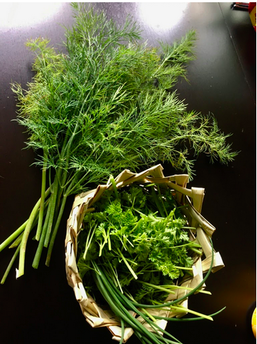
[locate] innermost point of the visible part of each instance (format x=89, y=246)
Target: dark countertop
x=40, y=307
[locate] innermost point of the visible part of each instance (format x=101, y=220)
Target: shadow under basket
x=191, y=197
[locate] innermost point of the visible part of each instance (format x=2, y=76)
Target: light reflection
x=23, y=14
x=162, y=15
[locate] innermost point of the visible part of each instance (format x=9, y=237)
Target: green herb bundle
x=135, y=250
x=104, y=105
x=135, y=243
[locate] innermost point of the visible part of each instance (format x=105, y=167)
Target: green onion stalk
x=120, y=304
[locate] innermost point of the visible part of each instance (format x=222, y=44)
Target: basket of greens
x=136, y=249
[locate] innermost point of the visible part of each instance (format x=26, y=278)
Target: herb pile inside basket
x=139, y=251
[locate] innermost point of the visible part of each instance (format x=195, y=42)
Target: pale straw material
x=83, y=203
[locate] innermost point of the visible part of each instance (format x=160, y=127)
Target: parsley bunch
x=137, y=246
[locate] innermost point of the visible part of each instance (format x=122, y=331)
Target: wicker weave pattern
x=83, y=203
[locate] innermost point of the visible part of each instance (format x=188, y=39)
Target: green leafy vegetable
x=106, y=103
x=134, y=243
x=133, y=257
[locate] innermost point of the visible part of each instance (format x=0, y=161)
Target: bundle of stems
x=121, y=305
x=106, y=104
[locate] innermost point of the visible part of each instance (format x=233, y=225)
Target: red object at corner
x=252, y=12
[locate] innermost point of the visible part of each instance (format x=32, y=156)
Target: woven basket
x=83, y=203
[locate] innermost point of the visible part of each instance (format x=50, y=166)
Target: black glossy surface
x=40, y=307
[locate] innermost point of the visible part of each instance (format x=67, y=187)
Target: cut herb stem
x=42, y=199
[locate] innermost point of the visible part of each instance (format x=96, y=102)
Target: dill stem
x=50, y=240
x=52, y=207
x=19, y=230
x=59, y=181
x=42, y=201
x=24, y=239
x=10, y=265
x=39, y=250
x=55, y=230
x=13, y=236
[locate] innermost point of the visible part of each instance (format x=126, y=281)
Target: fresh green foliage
x=106, y=103
x=135, y=244
x=133, y=251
